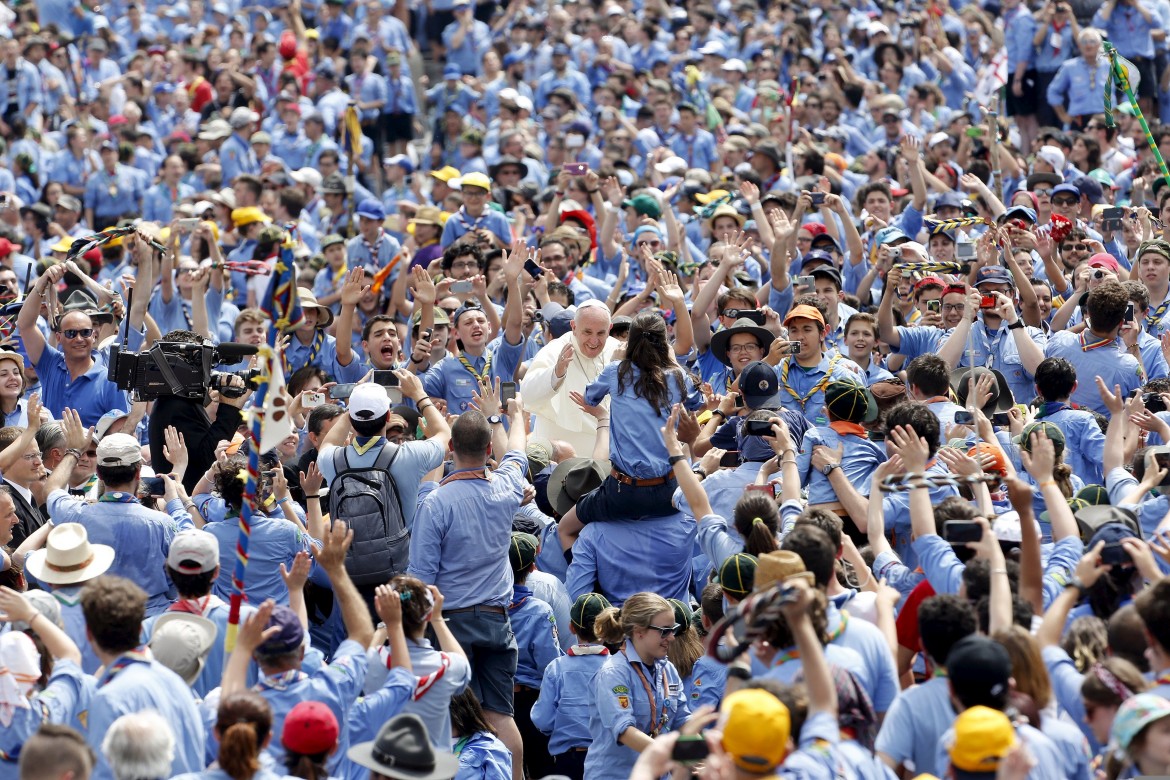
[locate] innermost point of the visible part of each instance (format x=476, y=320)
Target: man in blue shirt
x=1106, y=349
x=312, y=346
x=691, y=142
x=236, y=155
x=562, y=75
x=460, y=545
x=373, y=247
x=475, y=215
x=133, y=681
x=158, y=205
x=70, y=377
x=1130, y=25
x=141, y=537
x=113, y=192
x=467, y=39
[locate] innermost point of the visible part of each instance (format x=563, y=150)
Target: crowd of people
x=734, y=390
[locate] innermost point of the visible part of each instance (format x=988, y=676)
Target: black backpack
x=367, y=500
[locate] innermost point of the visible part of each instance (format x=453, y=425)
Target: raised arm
x=331, y=557
x=30, y=311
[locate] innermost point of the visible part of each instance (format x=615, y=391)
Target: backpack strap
x=386, y=456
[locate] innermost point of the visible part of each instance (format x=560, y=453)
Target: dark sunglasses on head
x=74, y=333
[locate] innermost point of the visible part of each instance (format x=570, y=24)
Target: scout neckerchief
x=193, y=606
x=137, y=656
x=844, y=428
x=818, y=387
x=363, y=445
x=118, y=497
x=1087, y=345
x=657, y=722
x=793, y=654
x=83, y=488
x=1049, y=408
x=487, y=368
x=281, y=681
x=426, y=682
x=587, y=649
x=471, y=226
x=463, y=474
x=314, y=348
x=460, y=744
x=1154, y=320
x=340, y=274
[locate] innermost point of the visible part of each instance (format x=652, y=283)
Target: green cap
x=586, y=608
x=1094, y=495
x=683, y=615
x=522, y=550
x=737, y=575
x=331, y=240
x=441, y=317
x=850, y=401
x=1055, y=435
x=646, y=205
x=539, y=458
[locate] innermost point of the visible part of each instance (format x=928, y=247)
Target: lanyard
x=487, y=369
x=137, y=656
x=1087, y=345
x=656, y=722
x=819, y=386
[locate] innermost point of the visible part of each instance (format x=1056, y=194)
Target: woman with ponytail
x=243, y=726
x=638, y=693
x=642, y=388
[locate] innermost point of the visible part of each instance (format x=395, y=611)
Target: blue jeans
x=615, y=501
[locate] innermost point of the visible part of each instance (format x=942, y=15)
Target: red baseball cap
x=6, y=247
x=1104, y=260
x=310, y=728
x=929, y=281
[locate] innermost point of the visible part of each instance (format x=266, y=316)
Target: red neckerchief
x=844, y=428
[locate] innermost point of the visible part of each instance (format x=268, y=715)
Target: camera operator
x=200, y=431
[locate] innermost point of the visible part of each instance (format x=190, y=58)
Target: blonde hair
x=1028, y=667
x=613, y=625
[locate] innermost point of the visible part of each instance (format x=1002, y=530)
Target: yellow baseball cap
x=707, y=197
x=62, y=245
x=476, y=179
x=248, y=215
x=982, y=737
x=756, y=728
x=446, y=173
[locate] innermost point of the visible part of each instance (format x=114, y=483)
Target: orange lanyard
x=656, y=723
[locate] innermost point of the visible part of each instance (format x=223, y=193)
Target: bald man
x=566, y=365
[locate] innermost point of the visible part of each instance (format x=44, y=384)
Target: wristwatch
x=827, y=469
x=1017, y=325
x=1076, y=582
x=496, y=419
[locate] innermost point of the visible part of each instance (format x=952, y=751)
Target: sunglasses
x=72, y=333
x=664, y=630
x=1042, y=191
x=651, y=244
x=1076, y=247
x=1064, y=201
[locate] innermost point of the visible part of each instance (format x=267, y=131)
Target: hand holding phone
x=576, y=168
x=312, y=400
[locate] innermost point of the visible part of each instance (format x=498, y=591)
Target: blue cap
x=519, y=55
x=1111, y=533
x=289, y=636
x=823, y=240
x=815, y=256
x=371, y=208
x=1022, y=212
x=994, y=274
x=647, y=229
x=400, y=160
x=463, y=310
x=1069, y=188
x=562, y=49
x=1090, y=188
x=952, y=199
x=759, y=386
x=452, y=72
x=889, y=235
x=167, y=87
x=560, y=323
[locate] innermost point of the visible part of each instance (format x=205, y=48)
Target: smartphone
x=987, y=302
x=690, y=749
x=1111, y=219
x=1163, y=461
x=790, y=348
x=974, y=131
x=462, y=287
x=965, y=251
x=877, y=436
x=1113, y=554
x=934, y=306
x=426, y=335
x=818, y=198
x=1129, y=313
x=739, y=404
x=576, y=168
x=964, y=418
x=154, y=486
x=730, y=460
x=962, y=531
x=533, y=268
x=755, y=315
x=342, y=392
x=1154, y=402
x=507, y=393
x=313, y=400
x=188, y=224
x=385, y=378
x=758, y=428
x=804, y=281
x=1001, y=418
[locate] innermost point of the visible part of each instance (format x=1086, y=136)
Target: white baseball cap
x=368, y=402
x=119, y=449
x=193, y=552
x=1053, y=156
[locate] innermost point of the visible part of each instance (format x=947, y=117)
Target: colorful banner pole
x=1119, y=70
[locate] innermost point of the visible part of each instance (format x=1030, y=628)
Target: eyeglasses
x=32, y=457
x=75, y=333
x=664, y=630
x=735, y=349
x=953, y=306
x=89, y=454
x=467, y=265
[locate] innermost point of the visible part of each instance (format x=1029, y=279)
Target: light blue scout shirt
x=1151, y=511
x=629, y=693
x=440, y=676
x=944, y=409
x=1153, y=361
x=459, y=541
x=134, y=682
x=482, y=755
x=90, y=395
x=1066, y=687
x=360, y=253
x=322, y=352
x=367, y=88
x=461, y=223
x=141, y=537
x=455, y=378
x=866, y=639
x=1128, y=30
x=371, y=711
x=468, y=56
x=566, y=697
x=274, y=540
x=1050, y=763
x=536, y=635
x=400, y=98
x=337, y=686
x=1084, y=442
x=619, y=558
x=997, y=349
x=215, y=773
x=216, y=610
x=861, y=457
x=915, y=340
x=896, y=510
x=236, y=157
x=717, y=541
x=1107, y=359
x=158, y=204
x=707, y=683
x=914, y=724
x=697, y=149
x=551, y=590
x=111, y=195
x=1082, y=84
x=414, y=459
x=69, y=597
x=636, y=447
x=802, y=390
x=64, y=699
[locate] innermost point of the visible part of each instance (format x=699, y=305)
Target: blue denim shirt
x=566, y=697
x=619, y=558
